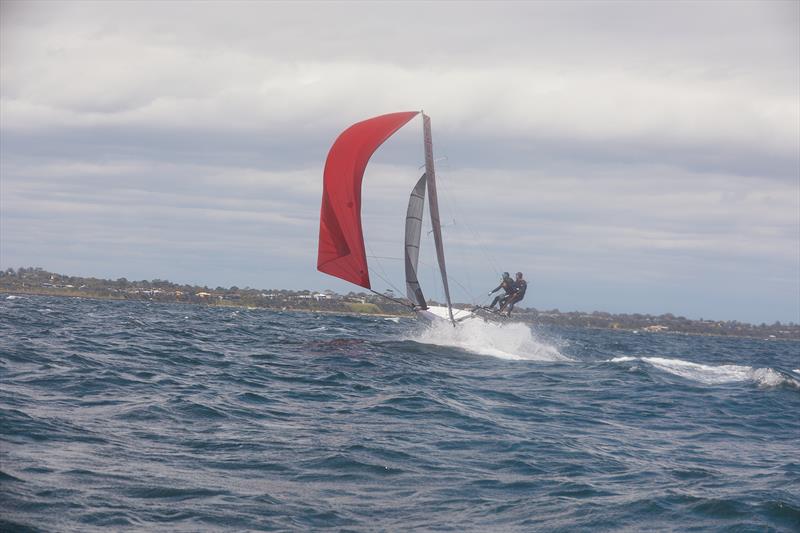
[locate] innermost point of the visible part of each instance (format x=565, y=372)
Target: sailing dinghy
x=341, y=240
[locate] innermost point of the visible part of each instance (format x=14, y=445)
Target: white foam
x=716, y=375
x=767, y=377
x=330, y=328
x=623, y=359
x=703, y=373
x=507, y=341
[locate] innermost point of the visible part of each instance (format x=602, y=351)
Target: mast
x=433, y=204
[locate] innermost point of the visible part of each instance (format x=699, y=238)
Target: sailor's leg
x=508, y=305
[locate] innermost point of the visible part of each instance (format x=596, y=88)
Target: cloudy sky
x=627, y=156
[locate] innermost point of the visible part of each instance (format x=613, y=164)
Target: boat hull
x=439, y=313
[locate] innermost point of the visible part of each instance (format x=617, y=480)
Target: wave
x=335, y=329
x=716, y=375
x=513, y=341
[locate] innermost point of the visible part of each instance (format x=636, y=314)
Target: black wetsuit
x=521, y=286
x=507, y=285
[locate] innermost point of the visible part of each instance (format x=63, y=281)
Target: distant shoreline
x=521, y=317
x=6, y=293
x=37, y=281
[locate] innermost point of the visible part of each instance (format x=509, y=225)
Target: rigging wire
x=389, y=283
x=385, y=275
x=451, y=200
x=452, y=204
x=381, y=273
x=395, y=300
x=473, y=300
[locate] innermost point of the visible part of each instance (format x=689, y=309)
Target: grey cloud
x=593, y=75
x=630, y=156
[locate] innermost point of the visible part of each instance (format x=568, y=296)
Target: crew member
x=507, y=284
x=520, y=286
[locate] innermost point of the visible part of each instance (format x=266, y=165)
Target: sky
x=626, y=156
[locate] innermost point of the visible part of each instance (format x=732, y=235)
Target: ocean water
x=131, y=416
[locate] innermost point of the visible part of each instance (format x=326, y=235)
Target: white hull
x=439, y=313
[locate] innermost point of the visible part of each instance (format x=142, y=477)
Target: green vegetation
x=365, y=308
x=39, y=281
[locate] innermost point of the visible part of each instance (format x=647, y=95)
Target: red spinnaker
x=341, y=239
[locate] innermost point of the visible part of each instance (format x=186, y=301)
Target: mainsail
x=416, y=204
x=433, y=203
x=341, y=239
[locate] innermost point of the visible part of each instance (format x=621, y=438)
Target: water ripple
x=126, y=415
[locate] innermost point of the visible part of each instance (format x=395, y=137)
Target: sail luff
x=416, y=206
x=433, y=205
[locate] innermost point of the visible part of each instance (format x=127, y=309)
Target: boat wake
x=514, y=341
x=716, y=375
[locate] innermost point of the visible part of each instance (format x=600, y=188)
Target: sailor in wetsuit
x=507, y=284
x=520, y=286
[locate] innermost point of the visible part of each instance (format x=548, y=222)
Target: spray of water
x=719, y=374
x=507, y=341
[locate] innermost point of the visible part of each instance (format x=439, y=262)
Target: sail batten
x=416, y=206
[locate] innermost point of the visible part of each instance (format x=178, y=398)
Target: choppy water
x=132, y=416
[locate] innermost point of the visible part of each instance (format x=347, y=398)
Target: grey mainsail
x=433, y=203
x=416, y=205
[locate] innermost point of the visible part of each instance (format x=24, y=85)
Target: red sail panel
x=341, y=239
